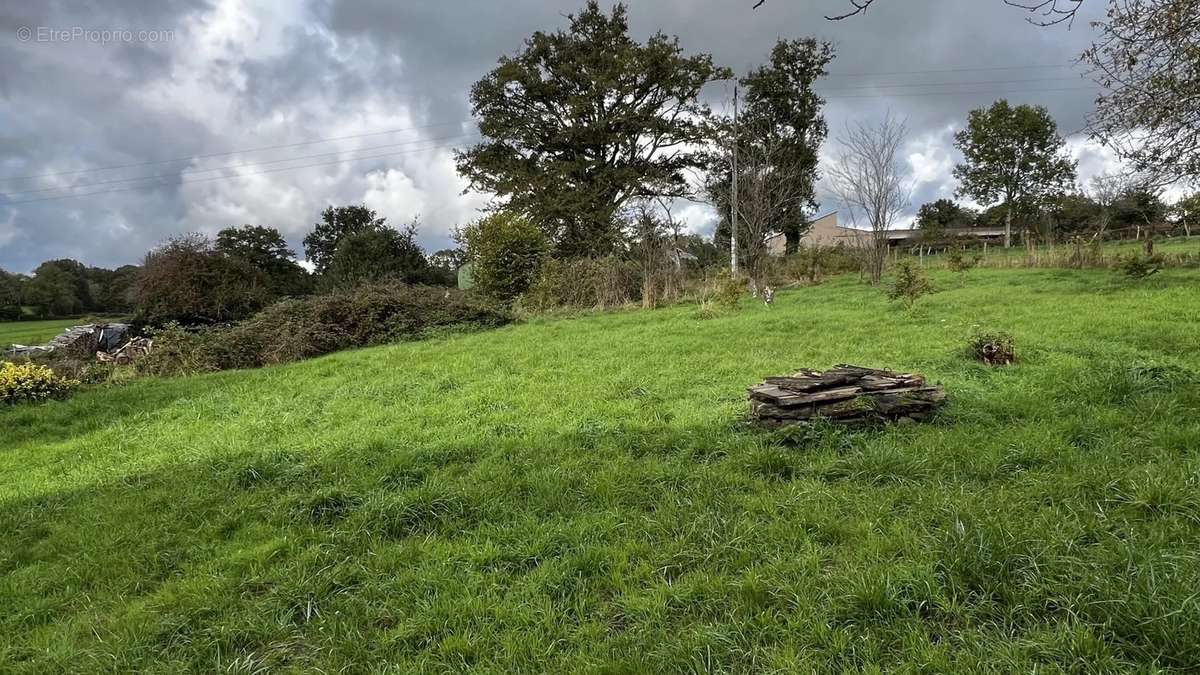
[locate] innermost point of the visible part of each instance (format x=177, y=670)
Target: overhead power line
x=213, y=178
x=955, y=70
x=952, y=84
x=232, y=152
x=988, y=92
x=236, y=166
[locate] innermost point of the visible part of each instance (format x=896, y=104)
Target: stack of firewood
x=845, y=394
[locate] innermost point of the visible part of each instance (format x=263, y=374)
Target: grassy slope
x=31, y=332
x=577, y=495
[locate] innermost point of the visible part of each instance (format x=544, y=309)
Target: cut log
x=844, y=394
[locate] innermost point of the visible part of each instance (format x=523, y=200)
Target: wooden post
x=733, y=195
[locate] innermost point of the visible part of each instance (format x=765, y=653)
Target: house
x=825, y=231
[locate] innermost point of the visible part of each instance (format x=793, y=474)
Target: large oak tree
x=584, y=120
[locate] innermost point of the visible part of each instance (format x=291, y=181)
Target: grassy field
x=30, y=332
x=1054, y=256
x=579, y=495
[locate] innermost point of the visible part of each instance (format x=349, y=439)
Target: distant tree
x=1140, y=207
x=583, y=121
x=505, y=251
x=1012, y=154
x=448, y=258
x=60, y=288
x=871, y=180
x=337, y=222
x=707, y=252
x=265, y=249
x=11, y=295
x=935, y=218
x=1105, y=189
x=378, y=254
x=444, y=264
x=781, y=105
x=774, y=181
x=114, y=291
x=188, y=280
x=1072, y=213
x=1186, y=212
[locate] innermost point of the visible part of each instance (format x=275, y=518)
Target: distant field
x=580, y=495
x=31, y=332
x=1110, y=248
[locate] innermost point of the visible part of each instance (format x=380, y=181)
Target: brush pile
x=109, y=342
x=127, y=353
x=846, y=395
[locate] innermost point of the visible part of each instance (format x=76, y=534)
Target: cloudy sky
x=191, y=115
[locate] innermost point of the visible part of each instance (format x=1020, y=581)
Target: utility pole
x=733, y=196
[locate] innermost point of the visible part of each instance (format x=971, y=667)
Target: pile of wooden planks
x=844, y=394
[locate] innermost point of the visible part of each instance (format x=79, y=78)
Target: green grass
x=1051, y=256
x=578, y=495
x=31, y=332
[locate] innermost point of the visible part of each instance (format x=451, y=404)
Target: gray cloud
x=285, y=73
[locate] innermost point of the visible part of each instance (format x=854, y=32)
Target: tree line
x=195, y=278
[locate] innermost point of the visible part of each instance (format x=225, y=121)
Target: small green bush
x=505, y=252
x=813, y=263
x=910, y=284
x=725, y=291
x=176, y=351
x=995, y=348
x=960, y=261
x=707, y=310
x=1139, y=267
x=31, y=383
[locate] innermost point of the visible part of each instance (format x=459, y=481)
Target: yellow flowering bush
x=28, y=383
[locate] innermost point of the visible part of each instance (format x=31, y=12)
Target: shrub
x=1084, y=253
x=707, y=310
x=505, y=251
x=910, y=283
x=812, y=263
x=31, y=383
x=377, y=254
x=1139, y=267
x=293, y=330
x=960, y=261
x=725, y=291
x=176, y=351
x=583, y=283
x=994, y=348
x=189, y=280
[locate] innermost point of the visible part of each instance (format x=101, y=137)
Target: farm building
x=825, y=231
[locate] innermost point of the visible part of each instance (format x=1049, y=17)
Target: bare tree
x=771, y=184
x=1105, y=189
x=1148, y=58
x=653, y=235
x=870, y=178
x=1048, y=12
